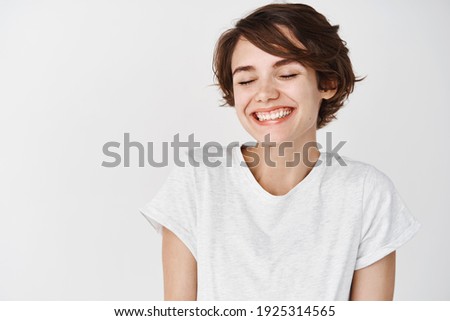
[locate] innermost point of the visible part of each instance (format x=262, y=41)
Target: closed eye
x=288, y=76
x=243, y=83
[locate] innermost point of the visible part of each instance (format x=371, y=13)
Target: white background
x=77, y=74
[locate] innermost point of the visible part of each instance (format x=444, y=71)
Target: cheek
x=298, y=89
x=241, y=99
x=305, y=95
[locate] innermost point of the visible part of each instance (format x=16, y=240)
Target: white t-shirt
x=304, y=245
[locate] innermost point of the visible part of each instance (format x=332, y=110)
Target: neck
x=282, y=166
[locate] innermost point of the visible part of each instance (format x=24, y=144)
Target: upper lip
x=269, y=109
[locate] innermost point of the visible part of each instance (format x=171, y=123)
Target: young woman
x=293, y=223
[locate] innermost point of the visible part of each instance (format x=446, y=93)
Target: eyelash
x=243, y=83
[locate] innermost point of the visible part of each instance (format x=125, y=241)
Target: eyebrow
x=277, y=64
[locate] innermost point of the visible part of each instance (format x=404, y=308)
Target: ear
x=330, y=89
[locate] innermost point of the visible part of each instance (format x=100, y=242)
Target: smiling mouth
x=279, y=113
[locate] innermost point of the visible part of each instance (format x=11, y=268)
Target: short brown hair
x=325, y=52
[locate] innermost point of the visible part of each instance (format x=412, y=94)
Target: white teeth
x=279, y=113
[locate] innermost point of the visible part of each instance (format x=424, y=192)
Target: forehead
x=245, y=50
x=247, y=53
x=247, y=57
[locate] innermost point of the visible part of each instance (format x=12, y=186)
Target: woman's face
x=272, y=96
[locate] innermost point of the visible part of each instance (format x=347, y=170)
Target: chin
x=275, y=137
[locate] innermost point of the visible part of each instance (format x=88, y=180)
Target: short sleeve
x=387, y=223
x=174, y=205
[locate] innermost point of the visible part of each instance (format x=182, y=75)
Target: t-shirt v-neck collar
x=260, y=191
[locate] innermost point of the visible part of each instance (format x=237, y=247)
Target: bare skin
x=263, y=86
x=375, y=282
x=179, y=269
x=260, y=83
x=269, y=177
x=258, y=86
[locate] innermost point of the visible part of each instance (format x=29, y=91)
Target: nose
x=266, y=91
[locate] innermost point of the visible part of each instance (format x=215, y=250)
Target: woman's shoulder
x=355, y=170
x=209, y=157
x=337, y=162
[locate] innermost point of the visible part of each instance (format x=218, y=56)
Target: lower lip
x=274, y=121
